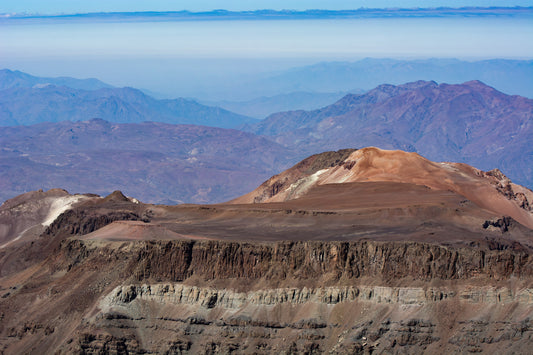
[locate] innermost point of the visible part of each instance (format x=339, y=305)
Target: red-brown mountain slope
x=489, y=190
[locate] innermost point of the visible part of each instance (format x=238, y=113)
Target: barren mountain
x=154, y=162
x=50, y=103
x=355, y=251
x=27, y=216
x=490, y=190
x=470, y=123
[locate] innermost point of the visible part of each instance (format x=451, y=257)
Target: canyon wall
x=93, y=296
x=310, y=263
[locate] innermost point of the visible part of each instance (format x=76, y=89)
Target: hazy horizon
x=71, y=7
x=192, y=58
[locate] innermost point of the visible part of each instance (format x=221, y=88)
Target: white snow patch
x=448, y=166
x=315, y=176
x=304, y=184
x=134, y=200
x=347, y=176
x=58, y=206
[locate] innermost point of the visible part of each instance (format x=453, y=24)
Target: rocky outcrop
x=503, y=184
x=308, y=261
x=501, y=223
x=303, y=169
x=79, y=222
x=282, y=297
x=26, y=216
x=229, y=299
x=359, y=320
x=312, y=264
x=89, y=343
x=242, y=335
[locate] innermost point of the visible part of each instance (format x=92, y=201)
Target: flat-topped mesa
x=491, y=190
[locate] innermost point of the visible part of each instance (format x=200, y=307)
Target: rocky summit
x=352, y=251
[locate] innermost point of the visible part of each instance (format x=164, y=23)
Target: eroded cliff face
x=352, y=319
x=311, y=262
x=284, y=297
x=208, y=297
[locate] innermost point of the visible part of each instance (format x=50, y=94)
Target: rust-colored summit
x=355, y=169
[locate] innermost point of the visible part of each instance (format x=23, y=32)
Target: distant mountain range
x=288, y=14
x=311, y=87
x=471, y=123
x=167, y=163
x=25, y=99
x=16, y=79
x=509, y=76
x=512, y=77
x=307, y=87
x=154, y=162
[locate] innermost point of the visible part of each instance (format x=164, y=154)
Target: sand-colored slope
x=491, y=191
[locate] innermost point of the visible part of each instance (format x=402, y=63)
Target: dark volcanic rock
x=310, y=262
x=76, y=222
x=502, y=223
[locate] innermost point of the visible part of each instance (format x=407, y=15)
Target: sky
x=192, y=58
x=84, y=6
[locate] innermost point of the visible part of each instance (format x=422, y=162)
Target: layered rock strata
x=283, y=297
x=176, y=294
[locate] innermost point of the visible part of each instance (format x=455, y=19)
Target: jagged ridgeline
x=351, y=251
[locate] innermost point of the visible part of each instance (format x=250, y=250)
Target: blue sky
x=190, y=58
x=83, y=6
